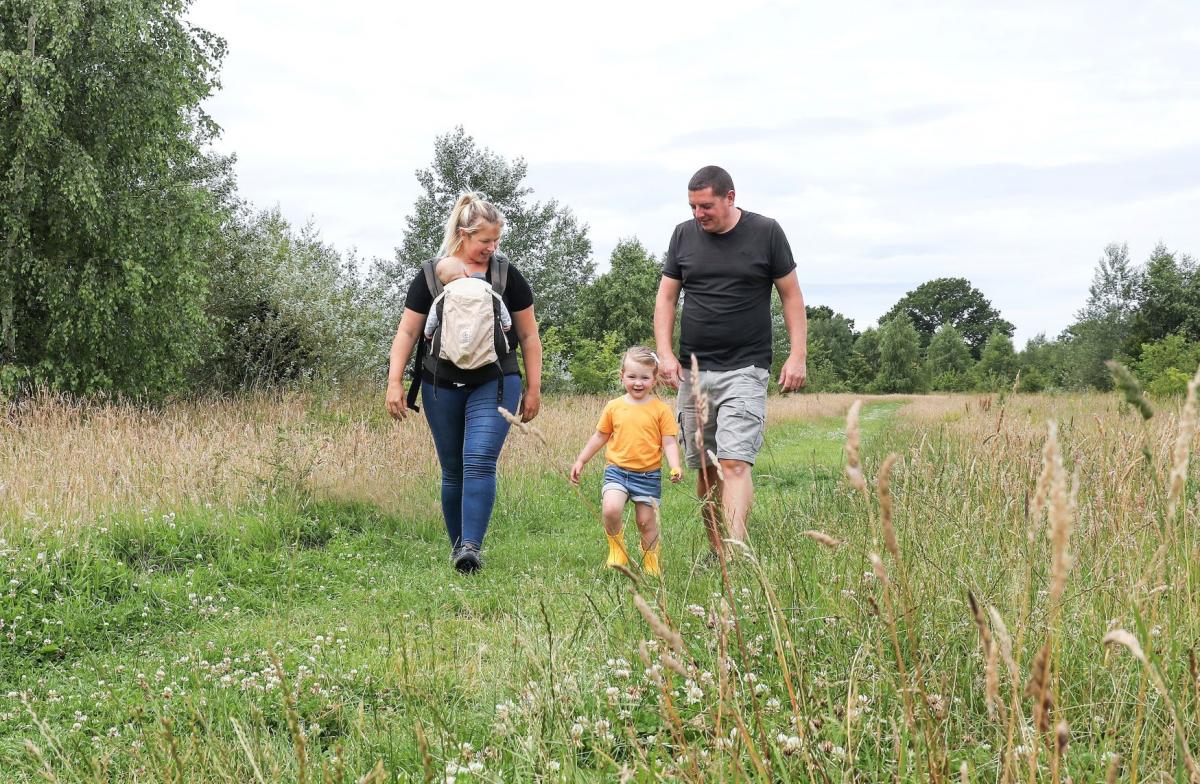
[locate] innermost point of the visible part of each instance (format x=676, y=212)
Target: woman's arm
x=407, y=335
x=531, y=350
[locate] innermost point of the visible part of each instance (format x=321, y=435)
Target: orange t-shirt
x=637, y=431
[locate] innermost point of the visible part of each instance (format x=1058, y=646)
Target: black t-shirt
x=517, y=296
x=727, y=281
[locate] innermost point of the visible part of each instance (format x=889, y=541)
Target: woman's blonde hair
x=470, y=212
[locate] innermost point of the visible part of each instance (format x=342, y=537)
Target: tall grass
x=953, y=599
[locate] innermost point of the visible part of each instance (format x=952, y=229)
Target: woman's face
x=477, y=248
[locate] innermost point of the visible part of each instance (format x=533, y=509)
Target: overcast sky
x=1007, y=143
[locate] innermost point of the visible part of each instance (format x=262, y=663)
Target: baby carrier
x=469, y=334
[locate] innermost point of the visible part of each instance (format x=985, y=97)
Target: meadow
x=938, y=588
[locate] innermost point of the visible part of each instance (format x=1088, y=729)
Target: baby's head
x=450, y=268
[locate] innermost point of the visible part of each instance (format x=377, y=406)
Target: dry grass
x=64, y=464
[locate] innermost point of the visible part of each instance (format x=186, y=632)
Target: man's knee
x=735, y=469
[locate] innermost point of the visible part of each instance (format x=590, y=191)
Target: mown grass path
x=182, y=618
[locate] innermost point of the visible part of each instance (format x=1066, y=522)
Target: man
x=725, y=261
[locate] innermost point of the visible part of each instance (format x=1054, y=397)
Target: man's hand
x=793, y=374
x=396, y=402
x=668, y=368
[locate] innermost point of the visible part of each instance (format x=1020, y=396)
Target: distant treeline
x=130, y=266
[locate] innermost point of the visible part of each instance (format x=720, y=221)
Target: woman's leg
x=445, y=409
x=483, y=438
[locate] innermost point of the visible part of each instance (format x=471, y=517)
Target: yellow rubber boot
x=650, y=563
x=617, y=555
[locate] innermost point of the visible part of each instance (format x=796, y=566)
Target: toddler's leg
x=612, y=506
x=647, y=523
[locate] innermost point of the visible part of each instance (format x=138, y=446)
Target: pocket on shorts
x=741, y=425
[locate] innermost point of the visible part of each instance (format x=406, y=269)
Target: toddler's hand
x=576, y=470
x=676, y=475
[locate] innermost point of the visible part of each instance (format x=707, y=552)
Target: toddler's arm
x=431, y=323
x=505, y=317
x=593, y=445
x=670, y=445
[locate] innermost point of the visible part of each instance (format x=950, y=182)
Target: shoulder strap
x=435, y=343
x=414, y=386
x=431, y=279
x=499, y=272
x=435, y=290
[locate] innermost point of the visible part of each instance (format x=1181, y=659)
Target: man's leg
x=737, y=493
x=741, y=416
x=710, y=491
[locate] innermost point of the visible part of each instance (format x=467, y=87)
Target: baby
x=449, y=270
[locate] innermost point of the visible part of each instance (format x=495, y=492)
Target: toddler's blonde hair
x=643, y=356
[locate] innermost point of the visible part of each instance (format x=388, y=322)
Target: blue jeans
x=468, y=433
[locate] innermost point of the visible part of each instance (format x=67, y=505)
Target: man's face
x=716, y=214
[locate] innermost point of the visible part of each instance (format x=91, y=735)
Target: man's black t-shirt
x=517, y=296
x=727, y=281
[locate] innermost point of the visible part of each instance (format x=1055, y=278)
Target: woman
x=461, y=405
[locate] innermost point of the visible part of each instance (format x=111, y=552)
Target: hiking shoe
x=617, y=555
x=454, y=551
x=468, y=561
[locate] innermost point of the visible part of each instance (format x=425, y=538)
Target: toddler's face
x=638, y=379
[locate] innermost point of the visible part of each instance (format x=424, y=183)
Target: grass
x=170, y=618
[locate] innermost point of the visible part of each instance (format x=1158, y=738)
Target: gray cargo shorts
x=737, y=414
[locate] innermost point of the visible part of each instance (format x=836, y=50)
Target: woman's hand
x=407, y=335
x=531, y=403
x=526, y=327
x=397, y=402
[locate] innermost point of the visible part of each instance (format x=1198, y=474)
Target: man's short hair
x=711, y=177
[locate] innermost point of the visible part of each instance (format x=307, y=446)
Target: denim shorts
x=643, y=487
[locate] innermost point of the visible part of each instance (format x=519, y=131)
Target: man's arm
x=664, y=327
x=795, y=370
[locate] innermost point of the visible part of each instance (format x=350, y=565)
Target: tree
x=1166, y=366
x=952, y=301
x=1042, y=364
x=830, y=335
x=864, y=360
x=948, y=360
x=286, y=307
x=107, y=203
x=544, y=240
x=1168, y=301
x=899, y=357
x=998, y=362
x=1104, y=324
x=831, y=339
x=621, y=301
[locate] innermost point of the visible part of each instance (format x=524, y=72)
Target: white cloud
x=1006, y=143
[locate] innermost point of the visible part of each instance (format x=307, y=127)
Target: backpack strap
x=414, y=386
x=431, y=278
x=435, y=289
x=498, y=267
x=435, y=342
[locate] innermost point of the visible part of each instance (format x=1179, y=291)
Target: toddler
x=638, y=428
